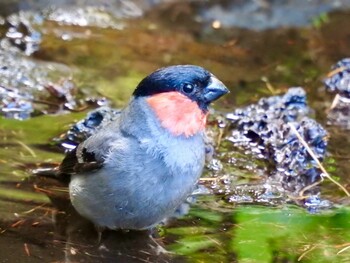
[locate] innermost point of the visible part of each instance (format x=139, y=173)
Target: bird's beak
x=214, y=90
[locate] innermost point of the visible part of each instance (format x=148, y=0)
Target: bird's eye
x=188, y=88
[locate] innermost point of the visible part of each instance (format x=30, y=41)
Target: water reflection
x=80, y=242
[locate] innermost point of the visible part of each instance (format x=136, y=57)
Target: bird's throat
x=177, y=113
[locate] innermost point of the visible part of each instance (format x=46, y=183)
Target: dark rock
x=264, y=131
x=21, y=32
x=338, y=82
x=15, y=105
x=83, y=129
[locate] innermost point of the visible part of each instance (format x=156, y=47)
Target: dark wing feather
x=90, y=155
x=71, y=164
x=68, y=163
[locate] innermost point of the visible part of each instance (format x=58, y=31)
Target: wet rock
x=64, y=93
x=125, y=8
x=339, y=113
x=338, y=82
x=15, y=105
x=35, y=87
x=27, y=85
x=24, y=29
x=259, y=15
x=21, y=32
x=315, y=203
x=85, y=13
x=24, y=84
x=263, y=130
x=94, y=121
x=262, y=194
x=92, y=16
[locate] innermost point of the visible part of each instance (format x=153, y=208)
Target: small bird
x=138, y=169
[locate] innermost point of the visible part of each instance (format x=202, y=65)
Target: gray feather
x=145, y=172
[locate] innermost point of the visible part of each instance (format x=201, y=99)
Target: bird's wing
x=89, y=155
x=78, y=161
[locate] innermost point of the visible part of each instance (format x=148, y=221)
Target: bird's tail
x=48, y=172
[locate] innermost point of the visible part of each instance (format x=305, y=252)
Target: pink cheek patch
x=177, y=113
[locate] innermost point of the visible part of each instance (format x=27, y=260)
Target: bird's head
x=180, y=96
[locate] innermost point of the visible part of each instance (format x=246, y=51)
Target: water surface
x=105, y=58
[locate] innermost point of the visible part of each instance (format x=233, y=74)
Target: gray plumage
x=134, y=172
x=120, y=195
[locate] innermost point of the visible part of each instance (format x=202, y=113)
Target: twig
x=335, y=71
x=342, y=245
x=18, y=223
x=334, y=102
x=312, y=154
x=301, y=193
x=208, y=179
x=32, y=153
x=46, y=103
x=41, y=190
x=219, y=139
x=268, y=85
x=60, y=189
x=343, y=249
x=306, y=252
x=26, y=249
x=33, y=209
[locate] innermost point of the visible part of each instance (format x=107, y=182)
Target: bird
x=138, y=169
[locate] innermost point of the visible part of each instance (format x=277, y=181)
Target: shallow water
x=106, y=59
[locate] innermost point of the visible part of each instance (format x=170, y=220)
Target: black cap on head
x=195, y=82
